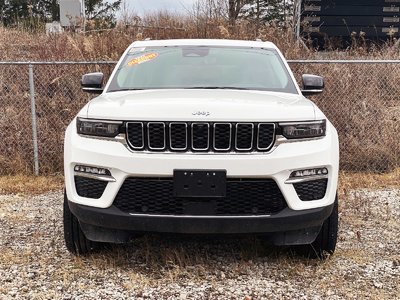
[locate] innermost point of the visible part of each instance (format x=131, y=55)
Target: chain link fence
x=38, y=100
x=361, y=98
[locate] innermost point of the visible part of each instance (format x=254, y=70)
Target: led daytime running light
x=309, y=172
x=92, y=170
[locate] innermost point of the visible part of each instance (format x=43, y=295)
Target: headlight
x=302, y=130
x=98, y=127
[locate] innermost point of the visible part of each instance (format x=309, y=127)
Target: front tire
x=75, y=240
x=325, y=243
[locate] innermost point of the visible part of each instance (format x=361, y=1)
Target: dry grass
x=353, y=180
x=20, y=45
x=25, y=184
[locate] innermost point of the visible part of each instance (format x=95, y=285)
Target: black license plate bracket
x=199, y=183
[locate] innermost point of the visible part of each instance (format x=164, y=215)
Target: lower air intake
x=89, y=188
x=311, y=190
x=244, y=197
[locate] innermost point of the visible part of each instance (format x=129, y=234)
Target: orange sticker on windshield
x=142, y=59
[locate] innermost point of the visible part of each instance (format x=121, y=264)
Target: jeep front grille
x=200, y=136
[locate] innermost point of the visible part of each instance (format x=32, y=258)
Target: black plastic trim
x=286, y=220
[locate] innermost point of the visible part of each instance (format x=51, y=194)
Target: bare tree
x=234, y=9
x=206, y=13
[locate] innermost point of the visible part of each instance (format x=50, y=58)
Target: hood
x=201, y=105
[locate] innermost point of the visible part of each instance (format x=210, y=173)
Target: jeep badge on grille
x=201, y=113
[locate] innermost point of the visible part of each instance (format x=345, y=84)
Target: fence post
x=34, y=128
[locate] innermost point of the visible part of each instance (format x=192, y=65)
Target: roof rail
x=258, y=40
x=147, y=39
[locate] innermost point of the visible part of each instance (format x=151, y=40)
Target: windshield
x=202, y=67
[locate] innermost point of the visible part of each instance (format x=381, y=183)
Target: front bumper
x=289, y=227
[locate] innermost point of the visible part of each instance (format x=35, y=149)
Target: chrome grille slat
x=156, y=137
x=265, y=140
x=199, y=138
x=247, y=131
x=136, y=130
x=218, y=140
x=222, y=137
x=176, y=136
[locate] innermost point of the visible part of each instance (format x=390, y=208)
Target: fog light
x=309, y=172
x=92, y=170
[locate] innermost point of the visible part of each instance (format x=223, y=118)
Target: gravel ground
x=36, y=265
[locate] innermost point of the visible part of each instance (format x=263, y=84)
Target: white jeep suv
x=201, y=137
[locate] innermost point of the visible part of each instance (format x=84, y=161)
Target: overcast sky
x=142, y=6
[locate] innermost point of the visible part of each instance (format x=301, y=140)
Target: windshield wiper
x=186, y=88
x=122, y=90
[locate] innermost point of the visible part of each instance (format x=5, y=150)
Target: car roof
x=204, y=42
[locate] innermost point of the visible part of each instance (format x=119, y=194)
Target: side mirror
x=312, y=84
x=92, y=83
